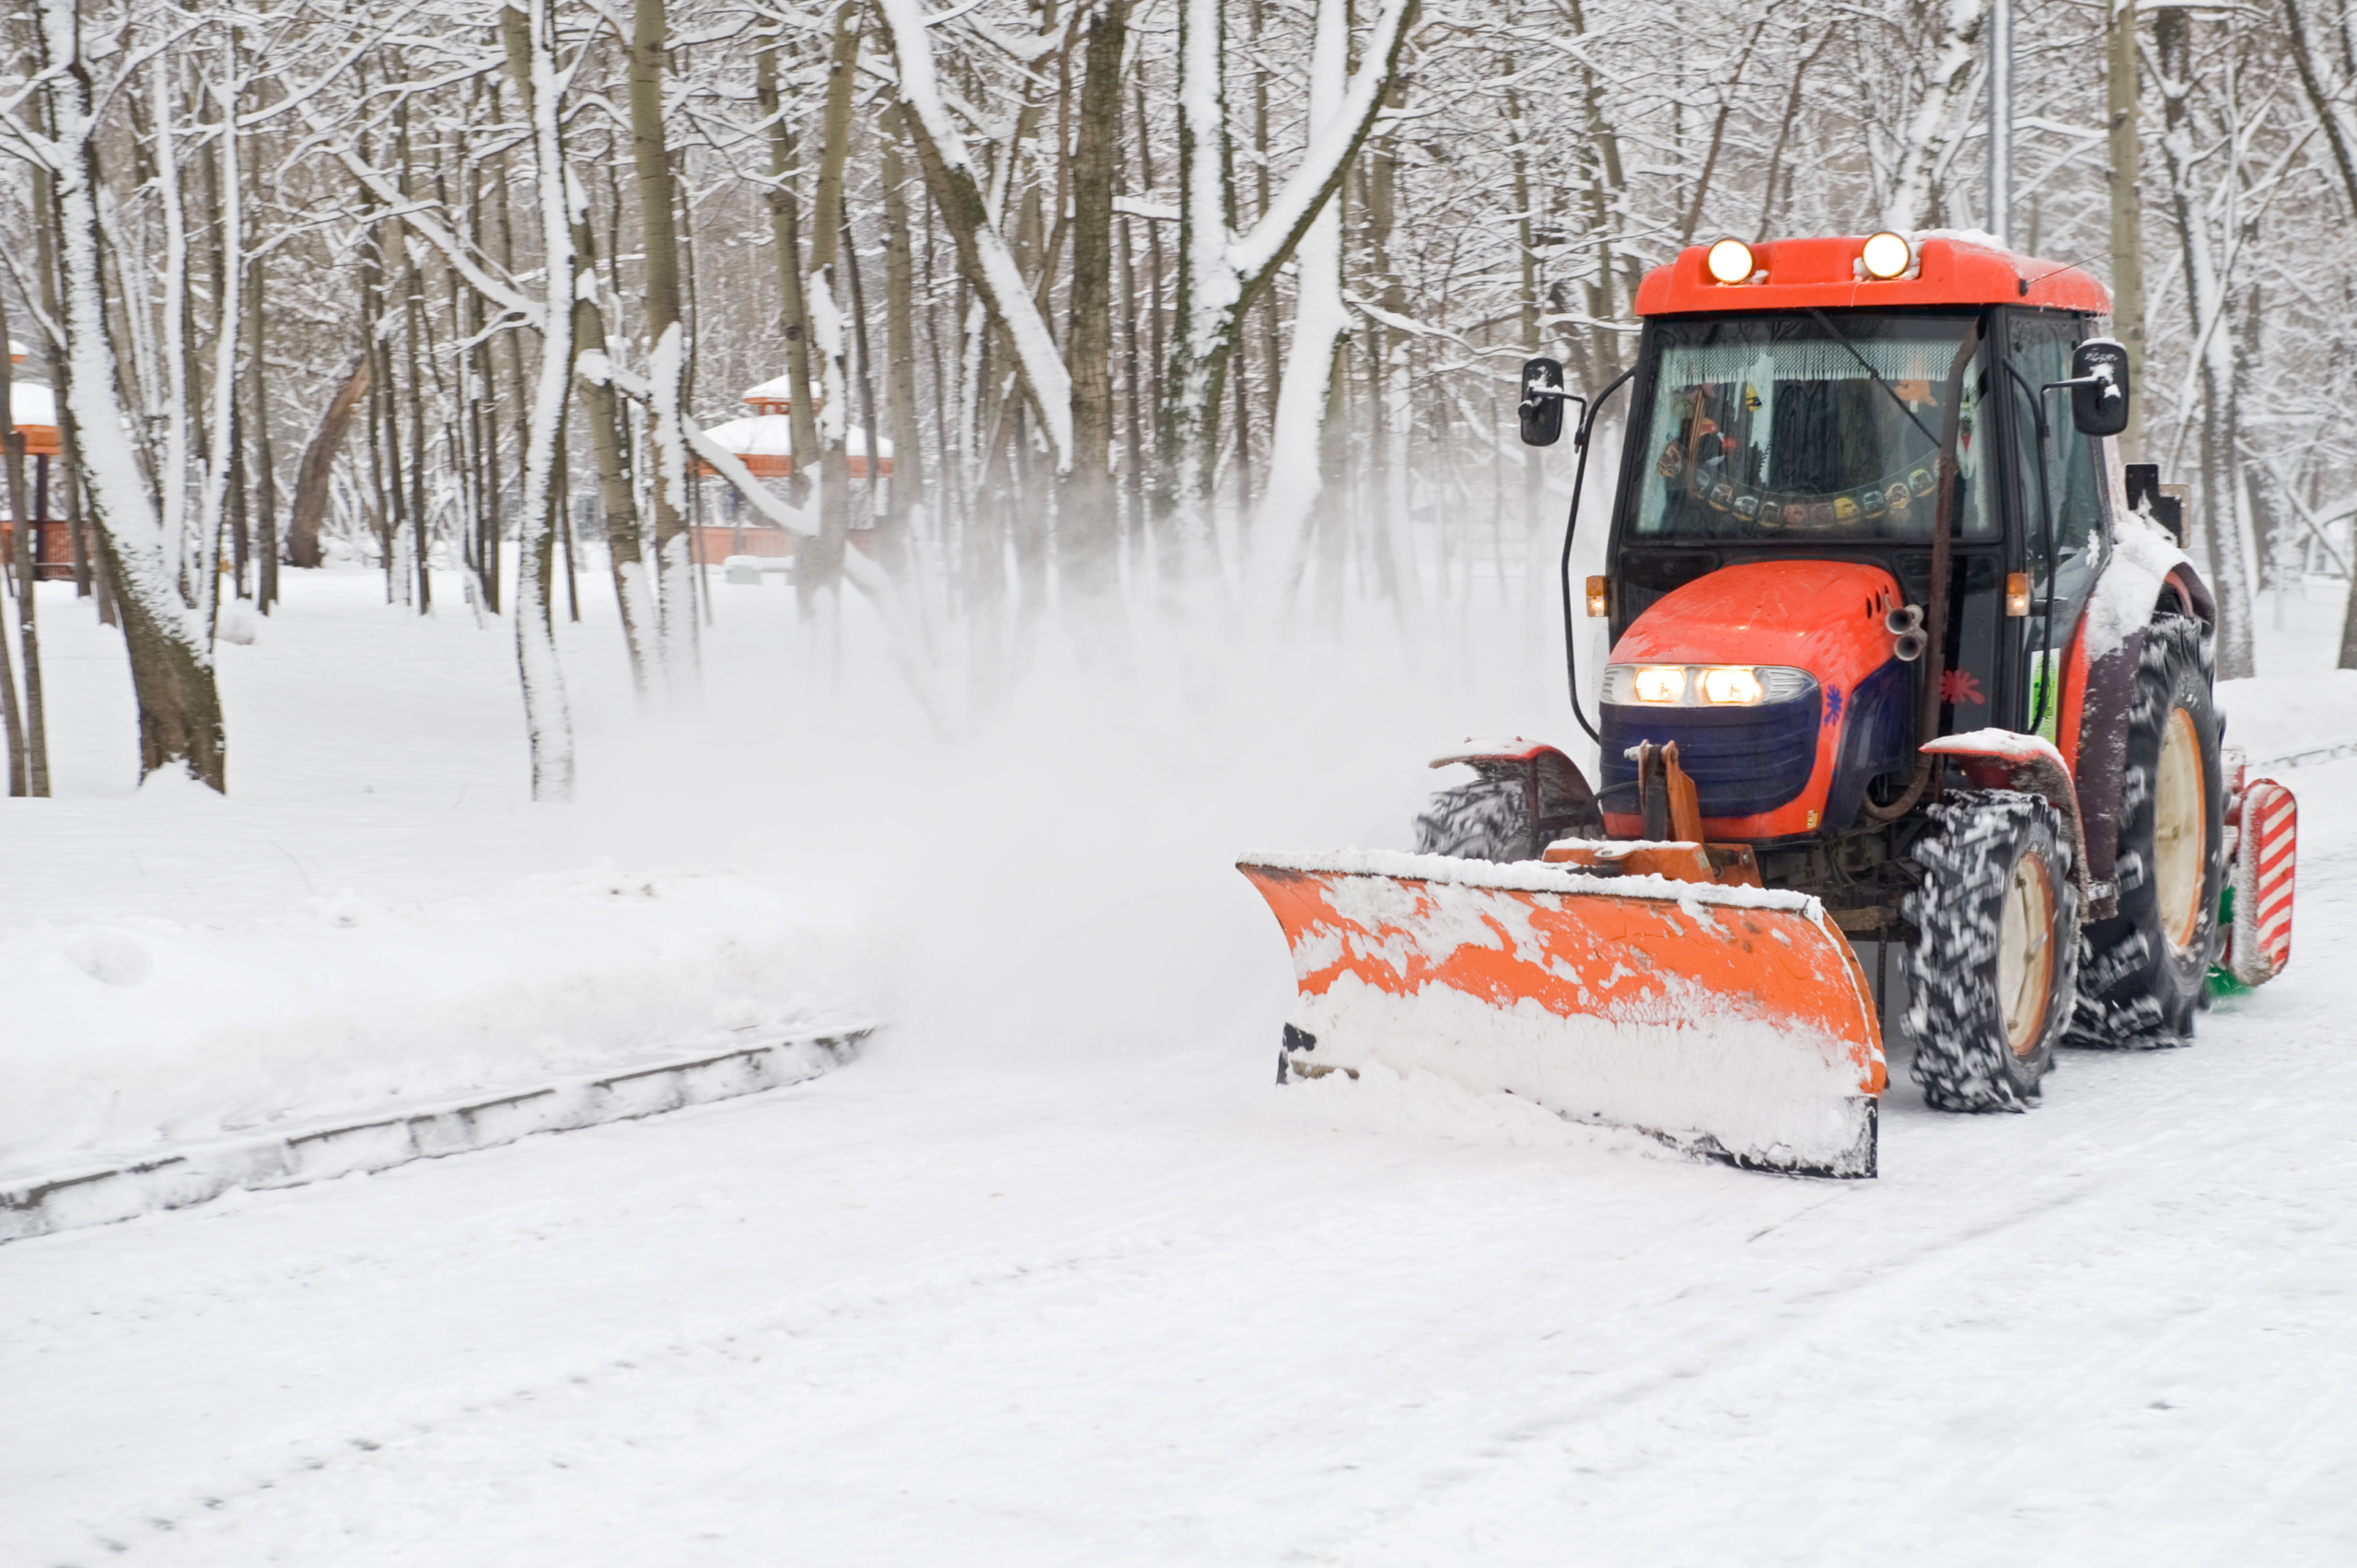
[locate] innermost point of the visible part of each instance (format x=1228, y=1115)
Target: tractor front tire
x=1996, y=952
x=2143, y=971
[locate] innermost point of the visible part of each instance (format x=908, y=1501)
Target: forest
x=1207, y=310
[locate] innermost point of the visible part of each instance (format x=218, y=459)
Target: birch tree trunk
x=906, y=493
x=819, y=563
x=266, y=462
x=226, y=193
x=27, y=723
x=2332, y=117
x=2121, y=74
x=1939, y=118
x=17, y=568
x=1089, y=514
x=1220, y=271
x=617, y=492
x=171, y=659
x=548, y=722
x=12, y=721
x=2222, y=518
x=786, y=239
x=1320, y=323
x=666, y=336
x=986, y=258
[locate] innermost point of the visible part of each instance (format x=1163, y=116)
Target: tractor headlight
x=1732, y=683
x=1887, y=255
x=1704, y=685
x=1658, y=683
x=1730, y=261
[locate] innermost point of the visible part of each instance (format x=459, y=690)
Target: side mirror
x=2100, y=387
x=1541, y=409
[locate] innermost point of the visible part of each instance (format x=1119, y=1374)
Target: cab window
x=2041, y=353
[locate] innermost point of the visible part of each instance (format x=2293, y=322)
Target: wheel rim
x=2025, y=952
x=2180, y=830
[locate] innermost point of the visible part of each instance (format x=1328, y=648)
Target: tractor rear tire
x=1487, y=819
x=1996, y=952
x=2143, y=972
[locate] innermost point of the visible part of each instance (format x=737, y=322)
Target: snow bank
x=2269, y=717
x=126, y=1031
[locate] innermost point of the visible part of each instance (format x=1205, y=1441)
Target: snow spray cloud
x=1057, y=884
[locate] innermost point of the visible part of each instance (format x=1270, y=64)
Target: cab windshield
x=1768, y=427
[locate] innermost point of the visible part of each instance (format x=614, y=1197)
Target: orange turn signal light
x=1597, y=606
x=2017, y=593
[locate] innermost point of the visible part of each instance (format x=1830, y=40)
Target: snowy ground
x=1057, y=1276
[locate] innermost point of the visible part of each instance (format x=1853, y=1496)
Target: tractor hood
x=1824, y=617
x=1794, y=758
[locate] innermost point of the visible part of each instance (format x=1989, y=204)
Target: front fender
x=2001, y=759
x=1556, y=794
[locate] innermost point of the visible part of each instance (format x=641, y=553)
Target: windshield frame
x=1638, y=439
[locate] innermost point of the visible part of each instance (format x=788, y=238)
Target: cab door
x=2058, y=502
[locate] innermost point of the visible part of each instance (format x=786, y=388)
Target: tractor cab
x=1784, y=601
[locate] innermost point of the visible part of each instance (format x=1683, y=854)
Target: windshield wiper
x=1851, y=349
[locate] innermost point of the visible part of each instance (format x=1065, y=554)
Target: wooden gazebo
x=33, y=409
x=763, y=441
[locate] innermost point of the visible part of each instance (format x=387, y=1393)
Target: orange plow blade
x=1730, y=1021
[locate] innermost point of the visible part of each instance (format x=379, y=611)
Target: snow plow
x=1898, y=652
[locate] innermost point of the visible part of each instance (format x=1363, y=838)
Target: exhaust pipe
x=1905, y=627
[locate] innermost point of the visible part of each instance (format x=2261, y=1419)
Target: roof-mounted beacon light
x=1730, y=261
x=1887, y=255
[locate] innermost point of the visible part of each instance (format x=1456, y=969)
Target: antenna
x=2001, y=121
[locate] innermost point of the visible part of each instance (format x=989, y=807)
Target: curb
x=2313, y=754
x=91, y=1195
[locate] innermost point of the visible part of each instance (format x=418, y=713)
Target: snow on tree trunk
x=171, y=659
x=610, y=451
x=1220, y=271
x=1320, y=323
x=1938, y=124
x=172, y=476
x=957, y=190
x=667, y=371
x=2222, y=518
x=1088, y=520
x=548, y=722
x=222, y=468
x=667, y=352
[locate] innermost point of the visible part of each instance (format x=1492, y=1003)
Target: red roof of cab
x=1823, y=272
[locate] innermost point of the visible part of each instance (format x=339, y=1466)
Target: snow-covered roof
x=777, y=389
x=32, y=405
x=771, y=436
x=17, y=350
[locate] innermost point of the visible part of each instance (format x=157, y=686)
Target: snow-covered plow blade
x=1731, y=1021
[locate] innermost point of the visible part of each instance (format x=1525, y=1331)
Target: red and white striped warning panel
x=2261, y=943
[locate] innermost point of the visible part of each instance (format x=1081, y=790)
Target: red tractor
x=1899, y=652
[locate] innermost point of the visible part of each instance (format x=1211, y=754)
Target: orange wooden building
x=763, y=441
x=33, y=409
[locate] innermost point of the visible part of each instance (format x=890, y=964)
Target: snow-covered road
x=1160, y=1311
x=1056, y=1274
